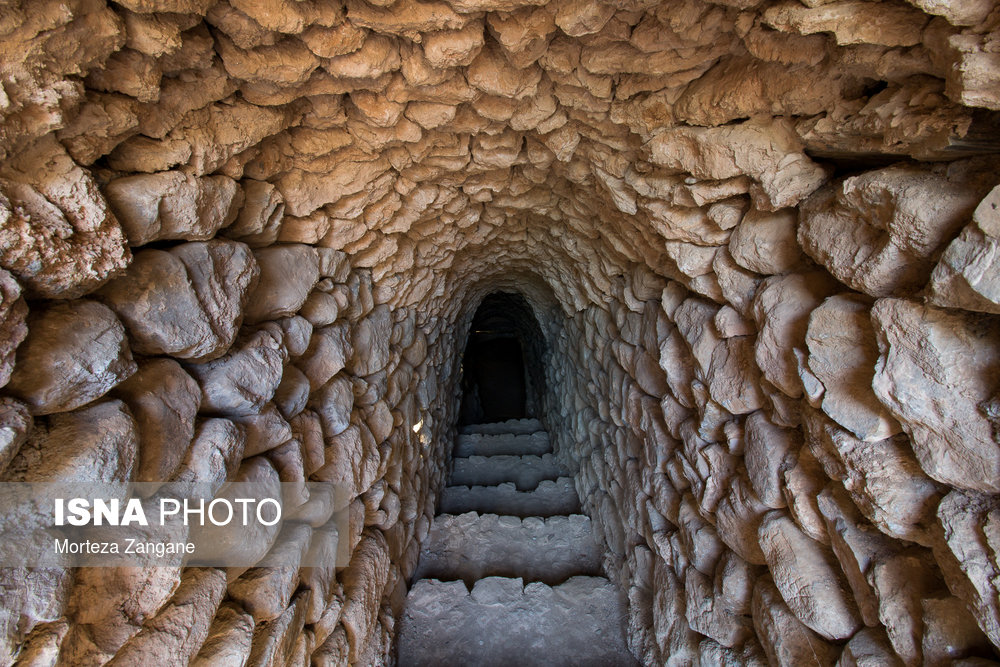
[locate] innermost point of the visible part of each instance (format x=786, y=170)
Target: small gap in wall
x=845, y=165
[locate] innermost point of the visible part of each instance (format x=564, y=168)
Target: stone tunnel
x=738, y=261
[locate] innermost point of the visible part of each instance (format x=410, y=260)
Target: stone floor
x=510, y=573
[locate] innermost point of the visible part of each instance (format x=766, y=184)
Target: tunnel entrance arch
x=502, y=374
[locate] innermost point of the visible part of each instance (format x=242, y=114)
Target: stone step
x=525, y=471
x=471, y=546
x=549, y=498
x=513, y=426
x=477, y=444
x=502, y=622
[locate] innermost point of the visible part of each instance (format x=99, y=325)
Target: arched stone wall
x=760, y=238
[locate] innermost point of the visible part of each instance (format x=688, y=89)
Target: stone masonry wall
x=244, y=239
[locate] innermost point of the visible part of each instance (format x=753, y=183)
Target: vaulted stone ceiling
x=760, y=237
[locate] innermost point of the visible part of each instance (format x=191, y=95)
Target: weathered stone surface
x=974, y=75
x=308, y=430
x=42, y=646
x=738, y=519
x=108, y=606
x=950, y=631
x=234, y=541
x=287, y=275
x=264, y=431
x=178, y=6
x=934, y=374
x=879, y=232
x=163, y=400
x=15, y=426
x=452, y=48
x=187, y=302
x=320, y=578
x=289, y=459
x=331, y=42
x=320, y=308
x=13, y=329
x=292, y=394
x=215, y=453
x=807, y=576
x=784, y=638
x=334, y=649
x=802, y=483
x=204, y=140
x=45, y=595
x=98, y=443
x=333, y=402
x=856, y=545
x=966, y=276
x=970, y=532
x=274, y=642
x=57, y=235
x=729, y=323
x=229, y=637
x=869, y=647
x=733, y=380
x=675, y=360
x=370, y=343
x=842, y=355
x=173, y=205
x=491, y=73
x=674, y=637
x=764, y=242
x=266, y=591
x=713, y=653
x=694, y=322
x=884, y=480
x=154, y=35
x=259, y=220
x=698, y=537
x=364, y=580
x=306, y=192
x=285, y=62
x=851, y=22
x=967, y=12
x=768, y=153
x=75, y=352
x=297, y=334
x=900, y=581
x=181, y=626
x=103, y=122
x=351, y=461
x=706, y=614
x=328, y=352
x=243, y=380
x=375, y=56
x=737, y=285
x=769, y=451
x=781, y=310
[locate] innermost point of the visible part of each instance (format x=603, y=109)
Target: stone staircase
x=510, y=573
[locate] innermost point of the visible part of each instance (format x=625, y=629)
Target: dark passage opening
x=494, y=366
x=501, y=364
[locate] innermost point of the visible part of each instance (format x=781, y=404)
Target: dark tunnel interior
x=501, y=365
x=494, y=368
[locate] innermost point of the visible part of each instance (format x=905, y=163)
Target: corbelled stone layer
x=245, y=239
